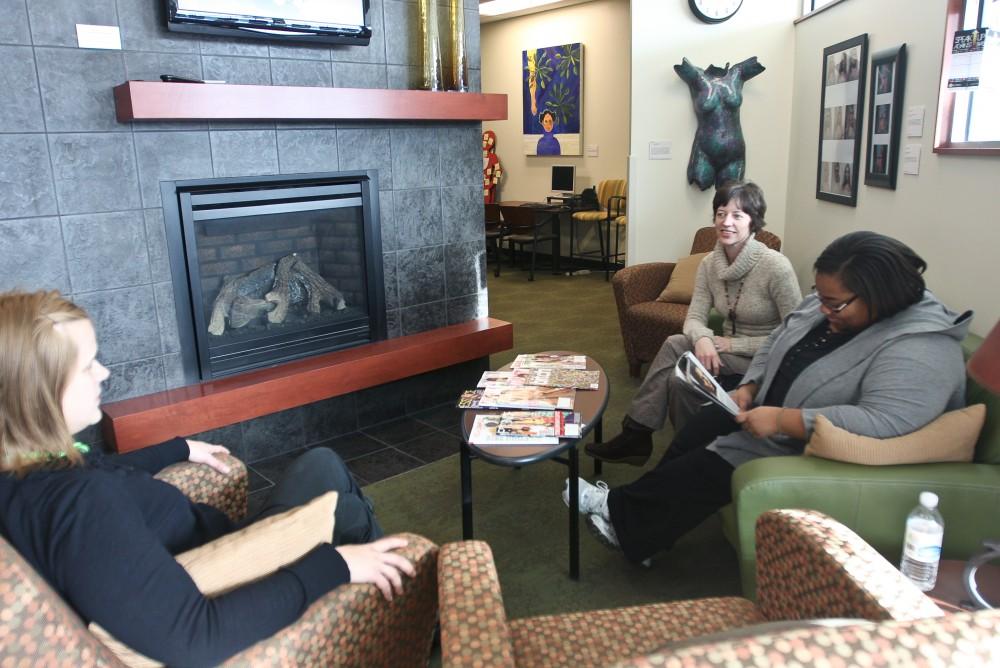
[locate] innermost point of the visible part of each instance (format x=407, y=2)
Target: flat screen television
x=315, y=21
x=564, y=179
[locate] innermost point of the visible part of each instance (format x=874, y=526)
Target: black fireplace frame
x=182, y=254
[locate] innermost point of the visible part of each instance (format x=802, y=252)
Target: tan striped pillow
x=950, y=438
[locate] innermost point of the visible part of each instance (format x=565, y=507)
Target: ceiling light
x=498, y=7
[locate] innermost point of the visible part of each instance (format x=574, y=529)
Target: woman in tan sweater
x=753, y=286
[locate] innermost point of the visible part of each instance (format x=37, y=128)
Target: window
x=968, y=121
x=809, y=6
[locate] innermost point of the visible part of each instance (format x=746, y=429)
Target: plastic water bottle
x=922, y=543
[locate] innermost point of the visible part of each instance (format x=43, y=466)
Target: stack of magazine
x=543, y=387
x=525, y=428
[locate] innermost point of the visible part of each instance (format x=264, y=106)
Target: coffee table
x=590, y=404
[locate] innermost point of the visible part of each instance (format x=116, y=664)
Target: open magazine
x=691, y=372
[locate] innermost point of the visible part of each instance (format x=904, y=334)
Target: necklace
x=731, y=307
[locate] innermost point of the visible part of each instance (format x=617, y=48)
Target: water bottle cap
x=929, y=500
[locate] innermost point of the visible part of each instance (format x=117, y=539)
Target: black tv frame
x=272, y=30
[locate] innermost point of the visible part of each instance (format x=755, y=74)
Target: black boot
x=633, y=446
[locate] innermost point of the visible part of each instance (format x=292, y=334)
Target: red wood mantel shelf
x=159, y=101
x=136, y=423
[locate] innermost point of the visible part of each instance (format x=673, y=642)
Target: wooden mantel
x=136, y=423
x=159, y=101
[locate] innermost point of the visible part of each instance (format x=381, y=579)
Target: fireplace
x=271, y=269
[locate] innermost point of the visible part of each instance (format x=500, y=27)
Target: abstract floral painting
x=552, y=88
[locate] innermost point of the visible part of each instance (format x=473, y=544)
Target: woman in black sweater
x=102, y=531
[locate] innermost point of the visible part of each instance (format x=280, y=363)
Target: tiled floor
x=377, y=452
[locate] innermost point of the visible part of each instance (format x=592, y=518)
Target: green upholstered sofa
x=874, y=500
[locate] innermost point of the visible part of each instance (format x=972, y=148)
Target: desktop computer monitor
x=563, y=179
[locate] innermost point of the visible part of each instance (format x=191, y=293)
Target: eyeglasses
x=830, y=307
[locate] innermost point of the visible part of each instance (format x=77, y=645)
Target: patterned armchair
x=809, y=567
x=645, y=322
x=351, y=626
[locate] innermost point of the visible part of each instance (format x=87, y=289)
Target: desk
x=590, y=404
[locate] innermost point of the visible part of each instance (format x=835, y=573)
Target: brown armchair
x=809, y=567
x=645, y=322
x=351, y=626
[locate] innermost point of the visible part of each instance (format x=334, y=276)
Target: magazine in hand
x=521, y=424
x=528, y=397
x=695, y=376
x=581, y=380
x=550, y=361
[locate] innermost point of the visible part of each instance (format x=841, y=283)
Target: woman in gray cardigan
x=753, y=286
x=871, y=350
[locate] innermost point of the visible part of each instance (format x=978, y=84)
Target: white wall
x=947, y=213
x=602, y=26
x=664, y=210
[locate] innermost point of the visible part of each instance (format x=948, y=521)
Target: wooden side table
x=949, y=592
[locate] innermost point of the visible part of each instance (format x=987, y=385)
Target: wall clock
x=715, y=11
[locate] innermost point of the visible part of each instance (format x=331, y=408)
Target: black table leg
x=574, y=513
x=598, y=438
x=466, y=463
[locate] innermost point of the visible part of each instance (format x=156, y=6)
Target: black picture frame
x=845, y=66
x=885, y=117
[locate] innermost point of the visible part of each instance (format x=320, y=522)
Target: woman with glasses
x=871, y=350
x=753, y=286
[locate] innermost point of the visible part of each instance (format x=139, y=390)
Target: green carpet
x=520, y=512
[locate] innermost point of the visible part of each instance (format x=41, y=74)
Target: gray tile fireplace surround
x=80, y=204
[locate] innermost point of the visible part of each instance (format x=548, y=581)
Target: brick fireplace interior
x=81, y=208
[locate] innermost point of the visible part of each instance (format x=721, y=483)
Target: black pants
x=688, y=484
x=317, y=472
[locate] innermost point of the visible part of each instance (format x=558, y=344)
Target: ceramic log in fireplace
x=272, y=269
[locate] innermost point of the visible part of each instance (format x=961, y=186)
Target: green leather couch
x=875, y=500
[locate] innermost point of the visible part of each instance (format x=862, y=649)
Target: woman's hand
x=744, y=395
x=723, y=344
x=204, y=453
x=704, y=350
x=761, y=421
x=376, y=563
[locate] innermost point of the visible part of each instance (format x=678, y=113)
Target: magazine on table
x=525, y=428
x=532, y=424
x=516, y=378
x=529, y=397
x=550, y=361
x=581, y=380
x=469, y=399
x=691, y=372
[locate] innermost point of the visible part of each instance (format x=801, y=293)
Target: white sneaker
x=593, y=498
x=603, y=531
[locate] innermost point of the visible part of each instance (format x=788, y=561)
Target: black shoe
x=633, y=446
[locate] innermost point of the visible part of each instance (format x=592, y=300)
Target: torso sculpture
x=719, y=152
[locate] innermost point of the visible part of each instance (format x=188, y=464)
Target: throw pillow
x=243, y=556
x=950, y=438
x=680, y=287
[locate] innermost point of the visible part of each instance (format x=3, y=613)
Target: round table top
x=590, y=404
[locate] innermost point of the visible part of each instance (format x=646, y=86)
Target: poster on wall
x=552, y=109
x=843, y=93
x=885, y=117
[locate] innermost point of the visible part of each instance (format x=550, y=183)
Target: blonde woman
x=102, y=531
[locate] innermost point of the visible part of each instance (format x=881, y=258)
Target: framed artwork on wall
x=885, y=117
x=552, y=108
x=843, y=94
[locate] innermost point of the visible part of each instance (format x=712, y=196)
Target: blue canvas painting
x=552, y=109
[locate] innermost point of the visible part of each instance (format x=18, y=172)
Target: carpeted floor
x=520, y=512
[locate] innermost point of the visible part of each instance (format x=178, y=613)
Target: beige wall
x=602, y=26
x=947, y=212
x=664, y=211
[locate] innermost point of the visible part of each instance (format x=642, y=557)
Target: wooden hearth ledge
x=136, y=423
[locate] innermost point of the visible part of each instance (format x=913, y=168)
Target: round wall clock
x=715, y=11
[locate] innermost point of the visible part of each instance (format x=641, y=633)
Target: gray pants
x=660, y=396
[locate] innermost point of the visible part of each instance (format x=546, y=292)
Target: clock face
x=715, y=11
